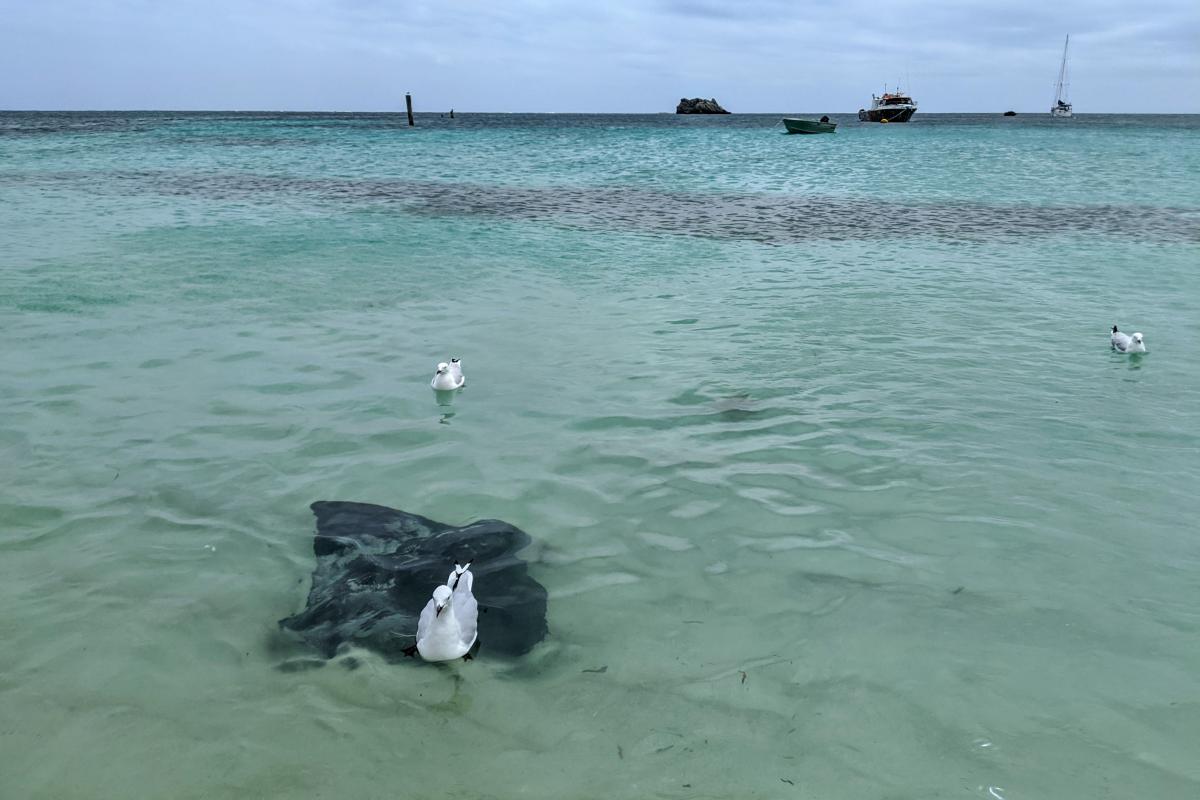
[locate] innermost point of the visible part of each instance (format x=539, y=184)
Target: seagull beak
x=437, y=612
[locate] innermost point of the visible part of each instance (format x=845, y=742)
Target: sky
x=599, y=56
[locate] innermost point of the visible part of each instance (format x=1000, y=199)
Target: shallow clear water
x=827, y=459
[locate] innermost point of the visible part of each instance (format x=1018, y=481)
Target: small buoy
x=883, y=120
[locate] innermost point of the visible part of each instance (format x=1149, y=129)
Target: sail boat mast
x=1062, y=71
x=1062, y=107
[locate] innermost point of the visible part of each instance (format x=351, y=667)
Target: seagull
x=444, y=380
x=448, y=626
x=456, y=371
x=1124, y=343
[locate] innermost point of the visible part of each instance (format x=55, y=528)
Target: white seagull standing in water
x=448, y=626
x=444, y=380
x=456, y=371
x=1124, y=343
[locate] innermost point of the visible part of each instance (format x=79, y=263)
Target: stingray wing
x=367, y=528
x=513, y=605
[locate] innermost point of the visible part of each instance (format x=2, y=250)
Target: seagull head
x=441, y=599
x=455, y=360
x=443, y=367
x=1137, y=337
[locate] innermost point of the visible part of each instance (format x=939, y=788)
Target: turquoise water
x=826, y=457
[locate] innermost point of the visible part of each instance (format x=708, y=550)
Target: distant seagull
x=1124, y=343
x=449, y=623
x=456, y=371
x=444, y=380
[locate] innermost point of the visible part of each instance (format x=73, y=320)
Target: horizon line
x=402, y=112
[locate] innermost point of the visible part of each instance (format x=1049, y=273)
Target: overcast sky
x=600, y=55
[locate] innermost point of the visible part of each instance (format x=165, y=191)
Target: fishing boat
x=1062, y=106
x=794, y=125
x=891, y=107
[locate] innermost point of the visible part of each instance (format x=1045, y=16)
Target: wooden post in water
x=408, y=103
x=452, y=113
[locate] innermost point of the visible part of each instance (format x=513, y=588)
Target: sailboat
x=1062, y=106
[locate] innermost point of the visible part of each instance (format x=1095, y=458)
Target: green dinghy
x=808, y=126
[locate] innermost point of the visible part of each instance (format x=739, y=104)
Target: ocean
x=834, y=482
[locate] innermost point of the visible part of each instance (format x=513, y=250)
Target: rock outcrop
x=698, y=105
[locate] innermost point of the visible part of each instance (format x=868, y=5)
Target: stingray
x=377, y=567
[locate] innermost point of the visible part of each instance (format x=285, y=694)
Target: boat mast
x=1062, y=74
